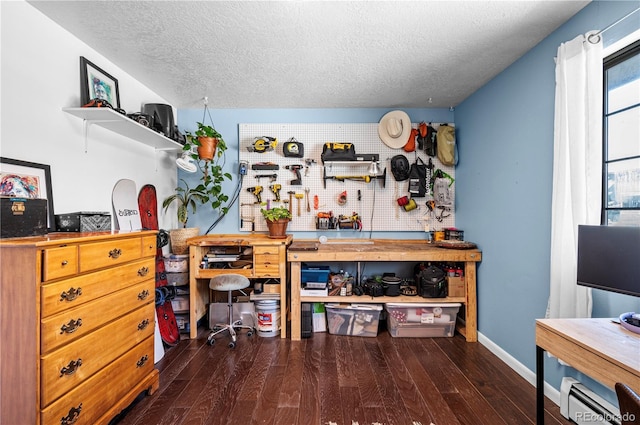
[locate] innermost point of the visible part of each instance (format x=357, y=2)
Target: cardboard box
x=353, y=319
x=83, y=221
x=22, y=217
x=456, y=286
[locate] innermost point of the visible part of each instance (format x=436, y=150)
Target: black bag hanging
x=418, y=179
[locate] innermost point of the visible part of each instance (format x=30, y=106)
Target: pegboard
x=375, y=202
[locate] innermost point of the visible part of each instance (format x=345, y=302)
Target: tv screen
x=609, y=258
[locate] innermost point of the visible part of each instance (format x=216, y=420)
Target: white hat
x=394, y=129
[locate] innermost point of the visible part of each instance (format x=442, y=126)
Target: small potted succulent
x=277, y=219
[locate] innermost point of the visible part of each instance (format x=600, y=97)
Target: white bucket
x=268, y=317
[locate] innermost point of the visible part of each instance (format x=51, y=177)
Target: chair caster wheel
x=232, y=344
x=211, y=341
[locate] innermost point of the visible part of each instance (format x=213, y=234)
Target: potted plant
x=211, y=165
x=207, y=139
x=277, y=219
x=186, y=198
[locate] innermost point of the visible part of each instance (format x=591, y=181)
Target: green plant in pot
x=207, y=139
x=211, y=165
x=277, y=219
x=187, y=198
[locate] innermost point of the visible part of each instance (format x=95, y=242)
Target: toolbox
x=83, y=221
x=23, y=217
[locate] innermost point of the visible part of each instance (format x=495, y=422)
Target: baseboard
x=530, y=376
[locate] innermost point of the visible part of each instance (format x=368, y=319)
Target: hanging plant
x=211, y=165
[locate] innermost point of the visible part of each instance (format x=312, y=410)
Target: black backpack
x=400, y=168
x=431, y=282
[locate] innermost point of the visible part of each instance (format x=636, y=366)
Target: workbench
x=268, y=262
x=385, y=250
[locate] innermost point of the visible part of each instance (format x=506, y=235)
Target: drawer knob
x=143, y=271
x=72, y=417
x=115, y=253
x=71, y=294
x=71, y=368
x=64, y=263
x=71, y=327
x=143, y=324
x=143, y=295
x=142, y=361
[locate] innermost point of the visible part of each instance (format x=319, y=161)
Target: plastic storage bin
x=353, y=319
x=422, y=320
x=176, y=263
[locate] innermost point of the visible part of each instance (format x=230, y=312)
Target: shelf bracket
x=85, y=131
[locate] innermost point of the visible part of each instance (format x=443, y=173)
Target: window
x=621, y=138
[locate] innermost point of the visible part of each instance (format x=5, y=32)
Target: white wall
x=39, y=75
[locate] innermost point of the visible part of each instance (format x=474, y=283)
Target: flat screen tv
x=609, y=258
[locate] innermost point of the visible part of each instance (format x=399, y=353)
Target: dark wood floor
x=337, y=380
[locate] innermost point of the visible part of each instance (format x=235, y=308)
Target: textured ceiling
x=312, y=54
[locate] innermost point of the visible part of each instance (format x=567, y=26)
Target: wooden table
x=599, y=348
x=388, y=250
x=269, y=262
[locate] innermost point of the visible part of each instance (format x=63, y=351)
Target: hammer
x=291, y=193
x=298, y=197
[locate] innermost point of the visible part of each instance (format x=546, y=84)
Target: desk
x=598, y=348
x=269, y=261
x=386, y=250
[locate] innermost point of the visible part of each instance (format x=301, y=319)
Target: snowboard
x=125, y=205
x=148, y=206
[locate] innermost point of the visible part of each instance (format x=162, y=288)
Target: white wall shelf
x=123, y=125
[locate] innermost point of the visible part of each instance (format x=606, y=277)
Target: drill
x=296, y=169
x=256, y=191
x=275, y=188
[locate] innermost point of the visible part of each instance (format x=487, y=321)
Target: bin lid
x=355, y=306
x=402, y=305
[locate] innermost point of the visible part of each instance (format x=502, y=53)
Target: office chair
x=229, y=283
x=629, y=403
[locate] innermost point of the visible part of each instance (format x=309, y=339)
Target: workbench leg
x=296, y=308
x=471, y=306
x=539, y=385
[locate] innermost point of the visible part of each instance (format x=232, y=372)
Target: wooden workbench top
x=381, y=250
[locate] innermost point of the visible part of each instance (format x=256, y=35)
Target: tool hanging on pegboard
x=263, y=144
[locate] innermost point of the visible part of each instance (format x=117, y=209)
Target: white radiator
x=581, y=405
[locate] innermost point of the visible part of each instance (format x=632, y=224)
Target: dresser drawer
x=266, y=250
x=69, y=293
x=59, y=262
x=74, y=323
x=149, y=245
x=86, y=403
x=106, y=254
x=266, y=265
x=69, y=366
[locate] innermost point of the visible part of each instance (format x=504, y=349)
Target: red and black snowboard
x=148, y=206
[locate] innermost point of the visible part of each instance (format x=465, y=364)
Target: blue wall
x=503, y=185
x=503, y=192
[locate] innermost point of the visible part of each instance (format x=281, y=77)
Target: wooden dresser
x=77, y=326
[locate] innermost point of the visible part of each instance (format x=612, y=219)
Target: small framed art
x=22, y=179
x=95, y=83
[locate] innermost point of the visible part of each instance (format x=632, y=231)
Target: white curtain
x=577, y=169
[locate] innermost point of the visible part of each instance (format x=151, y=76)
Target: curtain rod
x=602, y=31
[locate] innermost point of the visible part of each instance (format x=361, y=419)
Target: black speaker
x=162, y=117
x=307, y=320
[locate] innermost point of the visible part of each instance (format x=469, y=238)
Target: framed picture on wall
x=23, y=179
x=95, y=83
